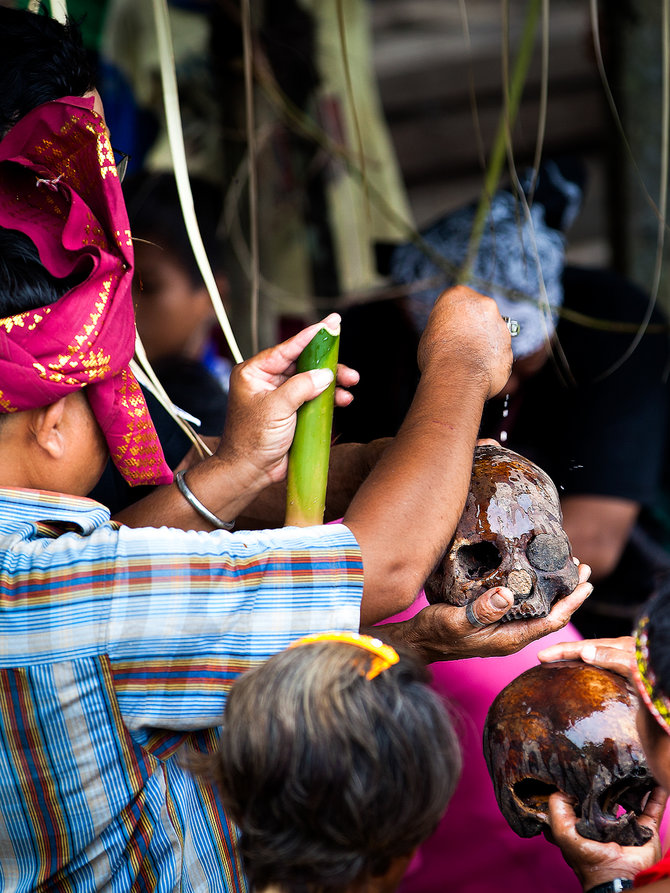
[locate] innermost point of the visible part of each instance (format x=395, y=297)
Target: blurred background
x=371, y=118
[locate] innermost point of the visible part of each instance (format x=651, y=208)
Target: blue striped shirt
x=117, y=649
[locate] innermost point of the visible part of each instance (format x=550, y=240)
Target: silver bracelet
x=195, y=503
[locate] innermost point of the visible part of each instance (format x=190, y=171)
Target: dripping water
x=505, y=413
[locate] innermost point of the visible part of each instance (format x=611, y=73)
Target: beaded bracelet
x=195, y=503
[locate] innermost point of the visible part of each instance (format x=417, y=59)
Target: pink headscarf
x=59, y=186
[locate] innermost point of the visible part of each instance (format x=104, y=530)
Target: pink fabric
x=473, y=849
x=59, y=186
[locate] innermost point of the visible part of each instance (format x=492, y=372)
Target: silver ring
x=472, y=617
x=512, y=325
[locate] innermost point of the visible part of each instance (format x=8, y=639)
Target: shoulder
x=604, y=320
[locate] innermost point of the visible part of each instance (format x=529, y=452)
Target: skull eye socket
x=547, y=552
x=534, y=794
x=479, y=559
x=628, y=794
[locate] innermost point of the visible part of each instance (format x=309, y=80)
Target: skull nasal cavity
x=479, y=559
x=533, y=793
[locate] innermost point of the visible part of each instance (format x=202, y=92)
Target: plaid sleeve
x=191, y=611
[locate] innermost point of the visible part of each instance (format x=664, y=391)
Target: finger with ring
x=472, y=617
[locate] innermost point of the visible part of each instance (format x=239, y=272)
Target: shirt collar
x=20, y=506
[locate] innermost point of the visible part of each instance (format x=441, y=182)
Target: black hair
x=25, y=284
x=155, y=215
x=658, y=611
x=41, y=59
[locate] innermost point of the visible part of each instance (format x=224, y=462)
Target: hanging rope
x=247, y=44
x=176, y=141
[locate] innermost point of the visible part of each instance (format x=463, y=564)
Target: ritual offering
x=569, y=727
x=510, y=534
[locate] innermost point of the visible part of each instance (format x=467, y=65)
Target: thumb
x=300, y=388
x=560, y=816
x=560, y=804
x=492, y=605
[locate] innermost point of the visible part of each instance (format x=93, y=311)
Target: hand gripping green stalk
x=310, y=451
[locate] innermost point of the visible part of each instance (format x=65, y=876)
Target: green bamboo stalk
x=502, y=137
x=309, y=455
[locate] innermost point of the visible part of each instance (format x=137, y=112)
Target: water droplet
x=505, y=412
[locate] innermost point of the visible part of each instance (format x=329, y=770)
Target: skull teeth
x=525, y=610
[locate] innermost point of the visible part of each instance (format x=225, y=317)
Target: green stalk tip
x=309, y=455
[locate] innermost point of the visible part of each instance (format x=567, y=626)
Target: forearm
x=350, y=464
x=405, y=513
x=222, y=484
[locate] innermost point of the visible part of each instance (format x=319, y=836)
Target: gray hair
x=331, y=775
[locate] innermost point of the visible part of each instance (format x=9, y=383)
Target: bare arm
x=406, y=511
x=350, y=464
x=598, y=528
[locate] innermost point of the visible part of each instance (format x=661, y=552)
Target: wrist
x=408, y=634
x=468, y=370
x=225, y=485
x=252, y=469
x=614, y=886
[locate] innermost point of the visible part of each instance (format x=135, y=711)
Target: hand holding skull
x=569, y=727
x=443, y=631
x=597, y=863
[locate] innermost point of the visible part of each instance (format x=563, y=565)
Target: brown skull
x=569, y=727
x=510, y=534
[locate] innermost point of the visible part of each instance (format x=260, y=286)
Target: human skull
x=569, y=727
x=509, y=534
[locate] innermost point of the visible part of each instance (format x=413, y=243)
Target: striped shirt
x=117, y=650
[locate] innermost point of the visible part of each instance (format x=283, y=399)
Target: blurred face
x=655, y=743
x=173, y=317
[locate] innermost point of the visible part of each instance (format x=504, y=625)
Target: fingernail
x=332, y=323
x=498, y=600
x=321, y=378
x=589, y=652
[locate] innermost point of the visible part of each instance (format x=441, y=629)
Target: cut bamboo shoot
x=309, y=455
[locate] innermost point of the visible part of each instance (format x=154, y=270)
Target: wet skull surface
x=509, y=534
x=569, y=727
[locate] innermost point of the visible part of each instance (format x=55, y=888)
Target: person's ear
x=390, y=880
x=46, y=427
